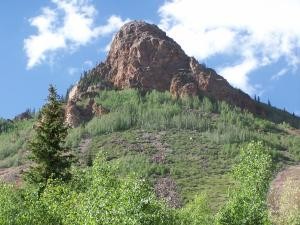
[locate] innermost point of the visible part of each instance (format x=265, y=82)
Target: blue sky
x=254, y=45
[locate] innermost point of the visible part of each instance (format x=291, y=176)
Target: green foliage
x=9, y=206
x=13, y=143
x=280, y=116
x=159, y=111
x=51, y=157
x=203, y=138
x=155, y=110
x=96, y=196
x=197, y=212
x=5, y=125
x=247, y=202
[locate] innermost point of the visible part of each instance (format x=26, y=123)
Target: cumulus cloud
x=253, y=32
x=67, y=25
x=237, y=74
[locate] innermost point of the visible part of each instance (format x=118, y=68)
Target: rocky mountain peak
x=143, y=56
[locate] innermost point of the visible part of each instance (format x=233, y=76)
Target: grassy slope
x=13, y=143
x=195, y=140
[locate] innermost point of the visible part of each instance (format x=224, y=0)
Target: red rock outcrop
x=75, y=114
x=143, y=56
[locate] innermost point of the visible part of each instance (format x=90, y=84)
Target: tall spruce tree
x=52, y=160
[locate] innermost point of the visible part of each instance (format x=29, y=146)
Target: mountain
x=142, y=56
x=158, y=113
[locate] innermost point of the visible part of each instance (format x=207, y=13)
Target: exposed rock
x=98, y=110
x=72, y=114
x=183, y=85
x=215, y=86
x=75, y=115
x=143, y=56
x=73, y=94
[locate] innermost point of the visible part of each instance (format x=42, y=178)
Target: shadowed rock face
x=143, y=56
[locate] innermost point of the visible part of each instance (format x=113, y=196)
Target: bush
x=197, y=212
x=247, y=201
x=96, y=196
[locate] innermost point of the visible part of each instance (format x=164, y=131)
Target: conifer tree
x=52, y=160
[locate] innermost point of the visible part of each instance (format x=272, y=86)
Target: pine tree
x=52, y=160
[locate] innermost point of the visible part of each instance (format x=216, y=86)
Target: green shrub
x=197, y=212
x=96, y=196
x=247, y=201
x=13, y=143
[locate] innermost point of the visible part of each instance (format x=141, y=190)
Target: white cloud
x=237, y=74
x=88, y=63
x=281, y=73
x=68, y=25
x=254, y=32
x=72, y=71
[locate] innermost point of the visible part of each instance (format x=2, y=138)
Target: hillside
x=192, y=141
x=154, y=112
x=187, y=145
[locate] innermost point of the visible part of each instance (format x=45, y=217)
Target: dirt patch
x=294, y=131
x=155, y=139
x=284, y=195
x=83, y=148
x=13, y=174
x=166, y=188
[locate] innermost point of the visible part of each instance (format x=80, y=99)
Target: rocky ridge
x=142, y=56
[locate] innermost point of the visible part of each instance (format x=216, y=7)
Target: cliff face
x=143, y=56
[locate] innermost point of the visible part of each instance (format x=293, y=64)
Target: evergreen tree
x=52, y=160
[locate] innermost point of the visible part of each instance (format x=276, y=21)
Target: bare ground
x=13, y=174
x=165, y=187
x=83, y=151
x=281, y=185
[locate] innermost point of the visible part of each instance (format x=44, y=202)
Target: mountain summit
x=143, y=56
